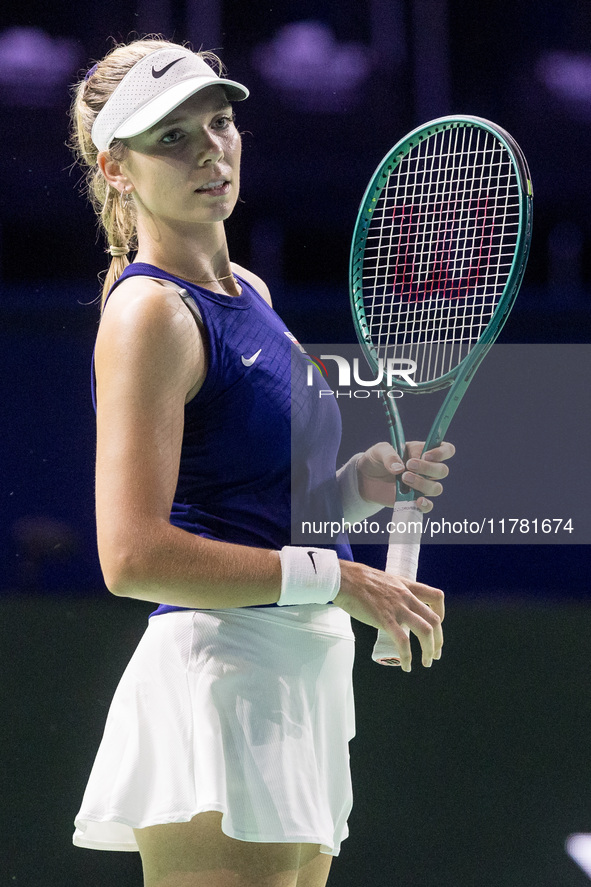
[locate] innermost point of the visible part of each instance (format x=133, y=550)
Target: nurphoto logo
x=389, y=371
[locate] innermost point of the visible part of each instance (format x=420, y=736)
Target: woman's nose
x=211, y=148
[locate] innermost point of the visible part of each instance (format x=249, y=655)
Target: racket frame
x=460, y=376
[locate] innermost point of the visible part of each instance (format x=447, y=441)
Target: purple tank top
x=237, y=479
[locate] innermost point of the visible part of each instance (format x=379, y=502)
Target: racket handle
x=402, y=560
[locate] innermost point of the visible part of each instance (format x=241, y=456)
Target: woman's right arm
x=149, y=361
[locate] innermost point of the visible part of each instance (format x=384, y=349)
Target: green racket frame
x=459, y=378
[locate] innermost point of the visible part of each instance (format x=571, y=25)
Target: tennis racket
x=438, y=255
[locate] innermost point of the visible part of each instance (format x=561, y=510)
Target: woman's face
x=186, y=168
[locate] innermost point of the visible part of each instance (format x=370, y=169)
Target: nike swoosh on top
x=248, y=361
x=165, y=68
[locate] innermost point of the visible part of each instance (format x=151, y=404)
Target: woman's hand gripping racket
x=438, y=255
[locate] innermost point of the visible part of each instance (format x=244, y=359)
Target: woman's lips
x=216, y=189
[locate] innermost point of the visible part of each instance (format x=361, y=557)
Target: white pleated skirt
x=247, y=711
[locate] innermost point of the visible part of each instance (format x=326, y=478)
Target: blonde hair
x=115, y=213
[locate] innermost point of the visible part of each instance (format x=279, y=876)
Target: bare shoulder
x=144, y=302
x=257, y=282
x=146, y=325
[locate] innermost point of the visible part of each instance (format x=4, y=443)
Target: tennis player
x=225, y=754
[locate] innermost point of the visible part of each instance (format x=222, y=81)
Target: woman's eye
x=225, y=121
x=171, y=137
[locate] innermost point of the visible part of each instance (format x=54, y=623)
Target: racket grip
x=402, y=560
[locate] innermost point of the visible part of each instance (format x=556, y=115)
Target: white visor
x=156, y=85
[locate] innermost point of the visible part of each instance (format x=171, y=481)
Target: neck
x=199, y=253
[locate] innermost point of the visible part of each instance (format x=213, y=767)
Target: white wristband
x=308, y=575
x=355, y=507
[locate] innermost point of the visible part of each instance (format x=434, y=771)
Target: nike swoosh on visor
x=165, y=68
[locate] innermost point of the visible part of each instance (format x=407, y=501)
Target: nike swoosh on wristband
x=248, y=361
x=164, y=69
x=311, y=556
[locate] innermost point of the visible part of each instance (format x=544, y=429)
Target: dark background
x=475, y=772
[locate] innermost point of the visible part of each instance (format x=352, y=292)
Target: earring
x=125, y=197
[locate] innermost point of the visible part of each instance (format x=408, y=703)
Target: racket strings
x=439, y=249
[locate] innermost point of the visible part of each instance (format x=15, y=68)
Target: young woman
x=225, y=757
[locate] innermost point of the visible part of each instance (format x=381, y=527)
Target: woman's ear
x=113, y=172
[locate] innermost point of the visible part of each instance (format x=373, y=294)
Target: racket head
x=439, y=249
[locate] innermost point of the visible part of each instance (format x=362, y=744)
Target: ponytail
x=119, y=224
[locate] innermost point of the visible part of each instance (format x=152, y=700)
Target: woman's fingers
x=424, y=472
x=442, y=453
x=429, y=634
x=393, y=603
x=428, y=614
x=422, y=484
x=401, y=640
x=434, y=598
x=425, y=611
